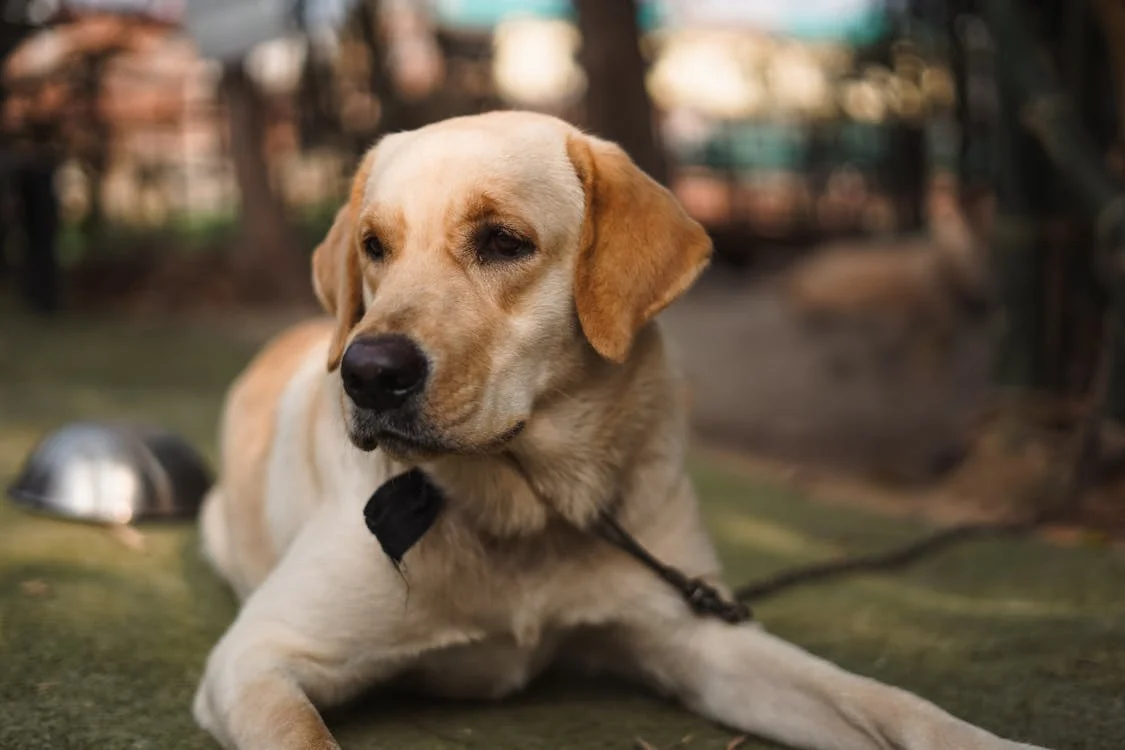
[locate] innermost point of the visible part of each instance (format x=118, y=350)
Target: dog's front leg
x=267, y=710
x=747, y=679
x=317, y=631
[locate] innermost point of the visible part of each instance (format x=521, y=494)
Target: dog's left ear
x=336, y=268
x=639, y=248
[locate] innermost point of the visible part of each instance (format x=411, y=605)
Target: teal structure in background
x=854, y=21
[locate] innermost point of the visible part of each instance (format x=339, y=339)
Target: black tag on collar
x=401, y=511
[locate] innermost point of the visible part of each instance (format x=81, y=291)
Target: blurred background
x=778, y=124
x=914, y=203
x=913, y=316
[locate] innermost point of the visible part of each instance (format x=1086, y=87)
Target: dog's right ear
x=336, y=268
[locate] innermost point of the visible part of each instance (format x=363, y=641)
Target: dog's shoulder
x=250, y=411
x=249, y=425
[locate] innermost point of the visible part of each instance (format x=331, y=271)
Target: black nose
x=381, y=372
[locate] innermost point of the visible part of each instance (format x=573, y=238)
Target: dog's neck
x=576, y=444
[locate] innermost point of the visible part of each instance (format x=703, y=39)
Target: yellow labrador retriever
x=493, y=282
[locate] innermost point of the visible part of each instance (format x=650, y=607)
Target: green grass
x=101, y=645
x=185, y=233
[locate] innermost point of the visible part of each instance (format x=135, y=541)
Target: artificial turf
x=101, y=645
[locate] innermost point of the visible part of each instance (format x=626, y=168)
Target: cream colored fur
x=505, y=584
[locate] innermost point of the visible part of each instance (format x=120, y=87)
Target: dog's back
x=234, y=530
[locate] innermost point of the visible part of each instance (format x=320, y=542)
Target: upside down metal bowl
x=113, y=473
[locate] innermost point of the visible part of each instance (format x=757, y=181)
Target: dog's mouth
x=401, y=445
x=417, y=441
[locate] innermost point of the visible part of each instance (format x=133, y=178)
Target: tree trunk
x=1112, y=16
x=908, y=175
x=41, y=228
x=27, y=181
x=267, y=260
x=618, y=107
x=393, y=114
x=1045, y=111
x=1111, y=13
x=1018, y=254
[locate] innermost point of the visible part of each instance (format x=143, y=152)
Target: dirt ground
x=850, y=394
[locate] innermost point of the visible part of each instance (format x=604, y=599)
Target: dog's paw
x=203, y=712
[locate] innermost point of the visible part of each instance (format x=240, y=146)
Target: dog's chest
x=500, y=597
x=494, y=617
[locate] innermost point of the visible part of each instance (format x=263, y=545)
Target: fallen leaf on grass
x=34, y=587
x=128, y=537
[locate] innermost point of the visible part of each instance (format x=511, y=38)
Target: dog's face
x=476, y=260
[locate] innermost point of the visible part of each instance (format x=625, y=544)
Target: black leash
x=703, y=598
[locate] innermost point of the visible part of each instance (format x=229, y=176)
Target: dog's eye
x=373, y=248
x=498, y=243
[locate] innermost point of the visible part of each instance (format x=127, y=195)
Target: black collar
x=401, y=511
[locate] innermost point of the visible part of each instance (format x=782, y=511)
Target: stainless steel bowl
x=112, y=473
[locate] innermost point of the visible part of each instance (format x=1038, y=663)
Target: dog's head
x=479, y=257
